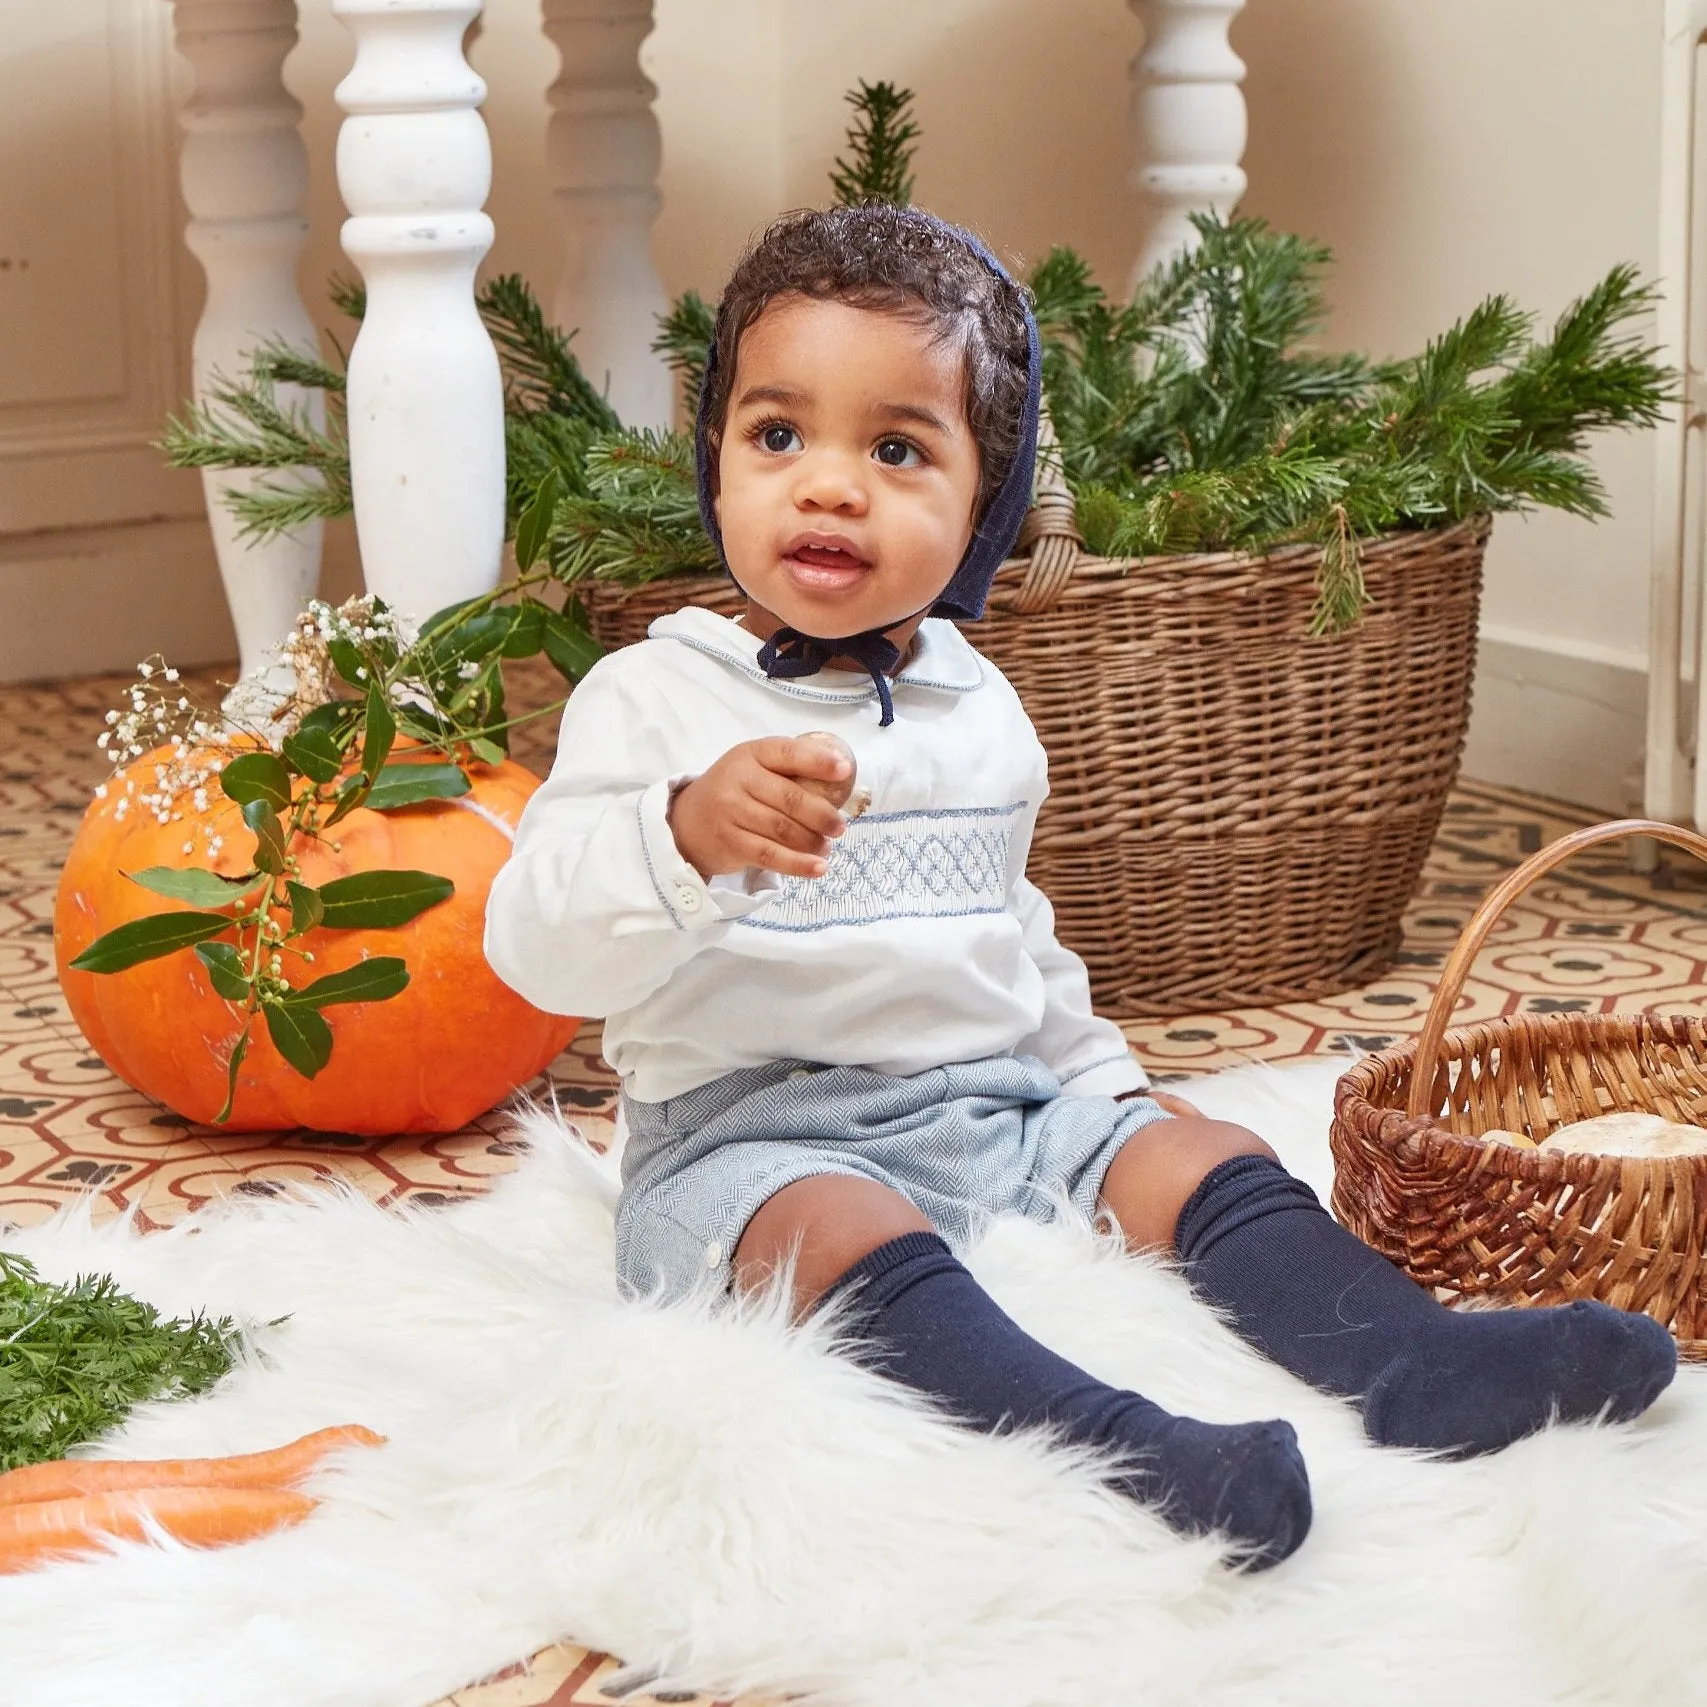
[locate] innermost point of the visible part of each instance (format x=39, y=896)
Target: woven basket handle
x=1051, y=529
x=1488, y=915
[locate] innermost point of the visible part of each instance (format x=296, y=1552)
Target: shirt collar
x=942, y=659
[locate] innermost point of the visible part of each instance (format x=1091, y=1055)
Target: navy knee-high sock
x=928, y=1324
x=1259, y=1245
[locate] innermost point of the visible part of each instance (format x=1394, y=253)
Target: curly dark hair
x=898, y=260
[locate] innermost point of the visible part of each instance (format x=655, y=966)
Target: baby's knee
x=1159, y=1167
x=823, y=1225
x=1212, y=1142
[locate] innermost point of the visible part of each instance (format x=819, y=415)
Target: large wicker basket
x=1238, y=812
x=1487, y=1219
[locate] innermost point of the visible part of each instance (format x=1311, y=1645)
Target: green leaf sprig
x=443, y=690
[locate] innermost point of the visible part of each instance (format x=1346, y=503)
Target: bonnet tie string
x=789, y=653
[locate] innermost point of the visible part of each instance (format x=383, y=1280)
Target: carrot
x=283, y=1467
x=33, y=1534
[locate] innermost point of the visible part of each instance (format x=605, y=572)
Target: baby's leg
x=826, y=1223
x=1257, y=1244
x=929, y=1325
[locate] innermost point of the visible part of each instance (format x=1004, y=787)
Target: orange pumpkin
x=450, y=1046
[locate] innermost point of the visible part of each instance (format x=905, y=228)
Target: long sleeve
x=1089, y=1055
x=597, y=908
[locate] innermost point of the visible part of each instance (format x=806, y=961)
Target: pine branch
x=537, y=446
x=638, y=518
x=1340, y=592
x=1590, y=374
x=244, y=425
x=881, y=143
x=1198, y=417
x=1063, y=292
x=684, y=336
x=541, y=372
x=279, y=363
x=349, y=296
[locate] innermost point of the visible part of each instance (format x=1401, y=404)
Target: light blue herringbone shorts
x=963, y=1142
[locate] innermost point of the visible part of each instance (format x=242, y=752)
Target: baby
x=845, y=1042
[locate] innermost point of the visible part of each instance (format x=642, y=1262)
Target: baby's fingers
x=794, y=801
x=804, y=755
x=756, y=818
x=775, y=856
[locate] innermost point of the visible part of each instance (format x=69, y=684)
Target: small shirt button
x=801, y=1073
x=687, y=899
x=713, y=1254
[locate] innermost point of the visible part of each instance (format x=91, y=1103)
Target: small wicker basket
x=1488, y=1219
x=1238, y=812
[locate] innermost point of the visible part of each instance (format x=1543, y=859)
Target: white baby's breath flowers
x=194, y=749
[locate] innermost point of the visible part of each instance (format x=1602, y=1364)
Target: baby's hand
x=759, y=805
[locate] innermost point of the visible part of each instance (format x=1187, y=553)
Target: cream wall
x=1445, y=149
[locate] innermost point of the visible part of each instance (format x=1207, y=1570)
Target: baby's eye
x=897, y=453
x=779, y=438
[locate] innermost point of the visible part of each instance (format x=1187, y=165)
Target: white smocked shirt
x=924, y=944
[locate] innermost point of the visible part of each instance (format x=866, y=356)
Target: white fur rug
x=727, y=1506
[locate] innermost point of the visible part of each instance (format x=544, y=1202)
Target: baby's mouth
x=824, y=567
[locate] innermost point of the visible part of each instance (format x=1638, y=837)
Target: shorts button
x=687, y=899
x=713, y=1254
x=801, y=1073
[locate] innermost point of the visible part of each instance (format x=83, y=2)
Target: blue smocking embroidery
x=902, y=865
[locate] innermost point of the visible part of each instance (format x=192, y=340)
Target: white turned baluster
x=1188, y=119
x=602, y=149
x=1675, y=784
x=426, y=402
x=244, y=174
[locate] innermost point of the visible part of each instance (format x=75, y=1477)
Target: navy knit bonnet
x=789, y=653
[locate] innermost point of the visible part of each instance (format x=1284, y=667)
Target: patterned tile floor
x=1591, y=939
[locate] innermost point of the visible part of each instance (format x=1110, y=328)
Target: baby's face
x=847, y=471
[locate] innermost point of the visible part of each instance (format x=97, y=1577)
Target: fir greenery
x=245, y=424
x=1199, y=417
x=684, y=336
x=74, y=1359
x=881, y=143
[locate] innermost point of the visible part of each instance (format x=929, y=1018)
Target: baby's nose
x=829, y=481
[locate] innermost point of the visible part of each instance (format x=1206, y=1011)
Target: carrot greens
x=74, y=1359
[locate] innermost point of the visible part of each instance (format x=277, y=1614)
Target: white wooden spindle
x=1676, y=782
x=1188, y=120
x=426, y=404
x=244, y=174
x=602, y=149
